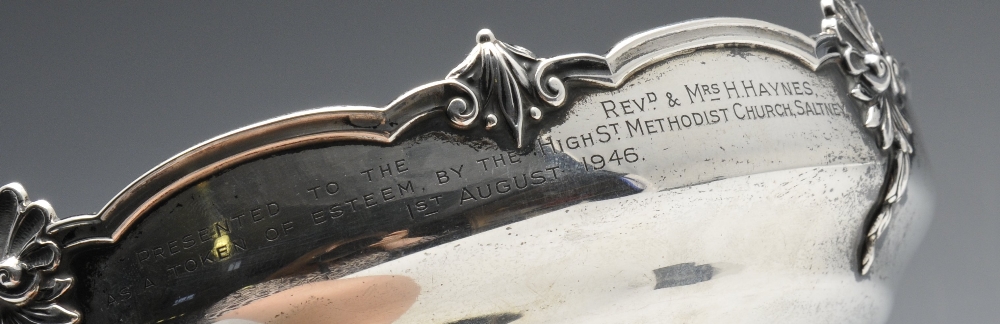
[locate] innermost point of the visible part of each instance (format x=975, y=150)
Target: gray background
x=92, y=96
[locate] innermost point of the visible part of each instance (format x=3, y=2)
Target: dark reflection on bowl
x=500, y=318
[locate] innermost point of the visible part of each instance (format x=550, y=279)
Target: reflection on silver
x=693, y=165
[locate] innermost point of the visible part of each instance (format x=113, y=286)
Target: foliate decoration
x=29, y=286
x=499, y=71
x=508, y=81
x=879, y=86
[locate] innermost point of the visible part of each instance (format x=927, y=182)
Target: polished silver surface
x=711, y=169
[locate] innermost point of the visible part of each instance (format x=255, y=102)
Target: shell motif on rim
x=29, y=285
x=880, y=87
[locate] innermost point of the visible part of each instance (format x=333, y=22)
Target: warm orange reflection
x=364, y=300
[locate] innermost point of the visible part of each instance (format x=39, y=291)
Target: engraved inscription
x=327, y=212
x=209, y=235
x=710, y=115
x=638, y=116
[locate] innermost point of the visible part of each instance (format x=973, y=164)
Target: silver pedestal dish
x=715, y=170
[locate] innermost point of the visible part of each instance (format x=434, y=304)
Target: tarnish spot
x=682, y=275
x=499, y=318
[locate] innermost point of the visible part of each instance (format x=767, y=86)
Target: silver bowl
x=715, y=170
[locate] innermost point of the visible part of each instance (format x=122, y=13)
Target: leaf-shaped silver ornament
x=501, y=78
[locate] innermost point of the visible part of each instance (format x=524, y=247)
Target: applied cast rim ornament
x=502, y=88
x=500, y=74
x=29, y=283
x=879, y=85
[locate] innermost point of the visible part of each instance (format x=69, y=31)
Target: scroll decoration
x=502, y=74
x=878, y=84
x=30, y=287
